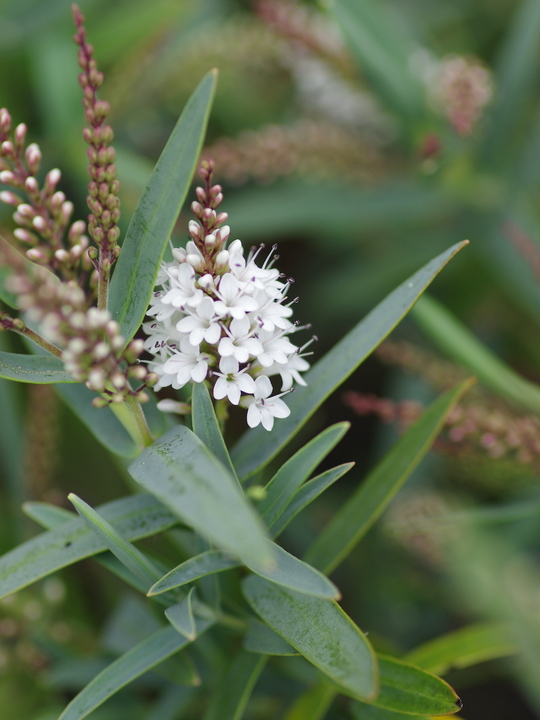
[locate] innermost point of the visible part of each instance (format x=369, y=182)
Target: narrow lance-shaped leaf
x=205, y=425
x=181, y=617
x=257, y=447
x=38, y=369
x=135, y=517
x=320, y=631
x=181, y=471
x=282, y=487
x=51, y=516
x=235, y=688
x=143, y=657
x=461, y=345
x=359, y=513
x=408, y=689
x=196, y=567
x=156, y=212
x=379, y=43
x=292, y=573
x=464, y=647
x=307, y=493
x=263, y=640
x=135, y=561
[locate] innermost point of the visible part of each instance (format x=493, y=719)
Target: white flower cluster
x=218, y=316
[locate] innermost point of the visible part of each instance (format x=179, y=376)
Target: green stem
x=39, y=340
x=132, y=418
x=103, y=286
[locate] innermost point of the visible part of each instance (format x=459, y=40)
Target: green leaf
x=135, y=561
x=101, y=422
x=320, y=631
x=516, y=78
x=262, y=639
x=361, y=711
x=157, y=211
x=47, y=515
x=314, y=703
x=199, y=566
x=235, y=688
x=181, y=617
x=383, y=50
x=460, y=344
x=257, y=447
x=144, y=656
x=307, y=493
x=39, y=369
x=408, y=689
x=462, y=648
x=292, y=573
x=360, y=511
x=282, y=487
x=181, y=471
x=134, y=517
x=205, y=425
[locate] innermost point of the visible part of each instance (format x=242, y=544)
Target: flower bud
x=52, y=178
x=8, y=149
x=20, y=134
x=26, y=237
x=62, y=256
x=222, y=258
x=31, y=185
x=195, y=261
x=98, y=402
x=40, y=224
x=196, y=209
x=8, y=178
x=33, y=157
x=76, y=230
x=137, y=372
x=8, y=197
x=194, y=229
x=5, y=121
x=36, y=255
x=221, y=217
x=210, y=240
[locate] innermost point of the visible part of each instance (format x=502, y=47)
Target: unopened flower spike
x=218, y=317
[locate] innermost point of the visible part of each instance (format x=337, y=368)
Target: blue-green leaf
x=196, y=567
x=181, y=617
x=135, y=517
x=181, y=471
x=39, y=369
x=282, y=487
x=461, y=345
x=134, y=560
x=307, y=493
x=320, y=631
x=156, y=212
x=360, y=511
x=144, y=656
x=235, y=688
x=314, y=703
x=262, y=639
x=205, y=425
x=257, y=447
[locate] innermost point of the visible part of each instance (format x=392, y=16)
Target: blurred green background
x=365, y=138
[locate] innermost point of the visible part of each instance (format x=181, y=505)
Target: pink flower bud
x=36, y=255
x=222, y=258
x=76, y=230
x=8, y=197
x=210, y=240
x=25, y=236
x=201, y=194
x=8, y=178
x=62, y=256
x=5, y=121
x=221, y=217
x=40, y=224
x=66, y=211
x=57, y=199
x=26, y=211
x=8, y=149
x=31, y=185
x=20, y=134
x=33, y=157
x=52, y=178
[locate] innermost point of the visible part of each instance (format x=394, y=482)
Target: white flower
x=240, y=342
x=290, y=372
x=232, y=381
x=232, y=300
x=189, y=363
x=276, y=348
x=272, y=314
x=201, y=324
x=183, y=290
x=262, y=408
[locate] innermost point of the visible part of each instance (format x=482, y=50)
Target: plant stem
x=39, y=340
x=103, y=284
x=132, y=418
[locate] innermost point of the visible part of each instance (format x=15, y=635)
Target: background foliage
x=335, y=149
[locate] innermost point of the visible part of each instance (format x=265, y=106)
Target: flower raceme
x=219, y=316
